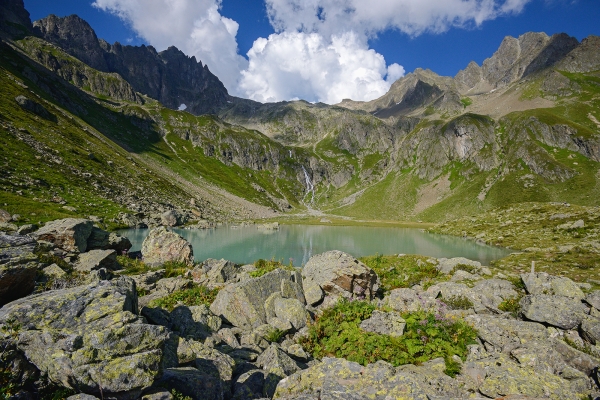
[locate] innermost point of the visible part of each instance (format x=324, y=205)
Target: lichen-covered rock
x=161, y=246
x=590, y=329
x=338, y=274
x=292, y=311
x=91, y=339
x=276, y=361
x=96, y=259
x=250, y=385
x=18, y=267
x=335, y=378
x=384, y=323
x=593, y=299
x=543, y=283
x=560, y=311
x=192, y=383
x=506, y=334
x=447, y=265
x=505, y=377
x=221, y=271
x=54, y=271
x=118, y=243
x=243, y=304
x=70, y=234
x=196, y=322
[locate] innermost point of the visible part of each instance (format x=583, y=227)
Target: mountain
x=521, y=127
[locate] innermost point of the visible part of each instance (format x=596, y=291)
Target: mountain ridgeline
x=523, y=126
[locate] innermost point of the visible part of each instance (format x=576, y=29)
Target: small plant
x=458, y=302
x=401, y=272
x=275, y=335
x=453, y=367
x=336, y=333
x=190, y=297
x=466, y=102
x=179, y=396
x=264, y=267
x=517, y=282
x=511, y=305
x=465, y=267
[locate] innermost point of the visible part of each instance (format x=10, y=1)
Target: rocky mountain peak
x=14, y=19
x=170, y=76
x=75, y=36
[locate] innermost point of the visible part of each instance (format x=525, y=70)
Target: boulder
x=336, y=274
x=18, y=267
x=384, y=323
x=250, y=385
x=70, y=234
x=292, y=311
x=54, y=271
x=94, y=260
x=26, y=229
x=590, y=330
x=593, y=299
x=196, y=322
x=119, y=243
x=5, y=216
x=161, y=246
x=243, y=304
x=506, y=334
x=90, y=338
x=447, y=265
x=221, y=271
x=192, y=383
x=98, y=239
x=542, y=283
x=170, y=218
x=335, y=378
x=560, y=311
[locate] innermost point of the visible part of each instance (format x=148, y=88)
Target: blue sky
x=314, y=51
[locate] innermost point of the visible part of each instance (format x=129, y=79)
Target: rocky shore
x=82, y=320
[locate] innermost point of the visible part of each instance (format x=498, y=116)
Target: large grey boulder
x=90, y=338
x=335, y=378
x=193, y=383
x=560, y=311
x=384, y=323
x=543, y=283
x=161, y=246
x=96, y=259
x=243, y=304
x=18, y=267
x=336, y=274
x=506, y=334
x=447, y=265
x=70, y=234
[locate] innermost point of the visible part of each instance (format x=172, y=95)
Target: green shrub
x=458, y=302
x=465, y=267
x=336, y=333
x=134, y=266
x=401, y=272
x=190, y=297
x=265, y=266
x=517, y=282
x=511, y=305
x=275, y=335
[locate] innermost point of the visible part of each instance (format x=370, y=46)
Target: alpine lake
x=297, y=243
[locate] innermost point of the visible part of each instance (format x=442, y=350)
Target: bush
x=511, y=305
x=264, y=267
x=336, y=333
x=190, y=297
x=458, y=302
x=275, y=335
x=401, y=272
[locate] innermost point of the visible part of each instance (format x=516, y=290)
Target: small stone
x=54, y=271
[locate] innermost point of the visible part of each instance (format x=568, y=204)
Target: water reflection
x=297, y=243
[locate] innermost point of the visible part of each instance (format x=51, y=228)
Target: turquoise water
x=297, y=243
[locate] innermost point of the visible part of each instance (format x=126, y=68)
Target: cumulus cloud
x=310, y=67
x=319, y=51
x=194, y=26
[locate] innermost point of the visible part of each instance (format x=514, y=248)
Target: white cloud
x=194, y=26
x=320, y=49
x=310, y=67
x=413, y=17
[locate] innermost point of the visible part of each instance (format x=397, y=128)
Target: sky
x=325, y=50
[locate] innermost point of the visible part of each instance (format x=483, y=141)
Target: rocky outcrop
x=18, y=267
x=90, y=338
x=70, y=234
x=170, y=76
x=334, y=274
x=14, y=19
x=161, y=246
x=245, y=304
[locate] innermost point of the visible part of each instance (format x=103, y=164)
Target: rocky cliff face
x=14, y=19
x=170, y=76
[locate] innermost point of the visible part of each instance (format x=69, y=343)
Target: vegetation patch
x=190, y=297
x=402, y=271
x=336, y=333
x=265, y=266
x=134, y=266
x=458, y=302
x=511, y=305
